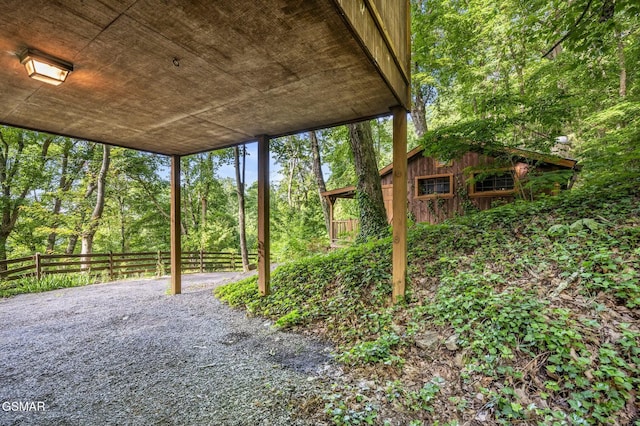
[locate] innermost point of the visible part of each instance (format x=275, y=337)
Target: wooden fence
x=342, y=227
x=114, y=265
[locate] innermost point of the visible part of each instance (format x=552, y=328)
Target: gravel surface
x=126, y=353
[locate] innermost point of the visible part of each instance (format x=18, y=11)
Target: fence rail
x=341, y=227
x=118, y=264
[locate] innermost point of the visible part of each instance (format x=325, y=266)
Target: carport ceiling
x=179, y=77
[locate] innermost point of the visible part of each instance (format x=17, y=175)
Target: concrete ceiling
x=179, y=77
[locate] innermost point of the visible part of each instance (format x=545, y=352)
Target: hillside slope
x=527, y=313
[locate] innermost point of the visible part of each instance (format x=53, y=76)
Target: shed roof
x=179, y=77
x=522, y=153
x=349, y=191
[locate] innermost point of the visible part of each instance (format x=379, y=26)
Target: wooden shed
x=179, y=77
x=440, y=190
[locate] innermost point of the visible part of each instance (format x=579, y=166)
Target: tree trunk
x=419, y=109
x=292, y=169
x=317, y=171
x=9, y=219
x=51, y=239
x=77, y=231
x=373, y=216
x=94, y=221
x=623, y=68
x=73, y=241
x=12, y=198
x=203, y=212
x=123, y=240
x=3, y=251
x=241, y=220
x=187, y=203
x=62, y=187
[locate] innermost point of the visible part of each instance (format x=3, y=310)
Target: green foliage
x=490, y=84
x=240, y=292
x=494, y=279
x=297, y=231
x=23, y=169
x=46, y=283
x=300, y=285
x=290, y=319
x=378, y=350
x=373, y=225
x=610, y=144
x=421, y=399
x=537, y=183
x=348, y=407
x=452, y=142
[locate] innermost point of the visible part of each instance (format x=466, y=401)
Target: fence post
x=110, y=265
x=233, y=261
x=38, y=267
x=201, y=261
x=159, y=266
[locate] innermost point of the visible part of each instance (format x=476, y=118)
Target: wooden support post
x=110, y=265
x=38, y=267
x=399, y=202
x=331, y=235
x=201, y=261
x=159, y=265
x=176, y=237
x=264, y=258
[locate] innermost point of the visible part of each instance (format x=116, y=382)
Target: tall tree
x=317, y=171
x=100, y=185
x=143, y=169
x=240, y=179
x=422, y=94
x=373, y=216
x=208, y=225
x=297, y=218
x=139, y=195
x=23, y=155
x=73, y=154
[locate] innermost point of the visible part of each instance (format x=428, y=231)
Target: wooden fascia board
x=389, y=168
x=336, y=193
x=383, y=57
x=547, y=158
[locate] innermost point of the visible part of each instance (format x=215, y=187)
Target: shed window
x=434, y=186
x=499, y=182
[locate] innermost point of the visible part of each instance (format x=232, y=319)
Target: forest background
x=509, y=73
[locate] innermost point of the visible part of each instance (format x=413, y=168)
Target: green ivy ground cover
x=532, y=309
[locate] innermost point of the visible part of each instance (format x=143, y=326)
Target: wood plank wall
x=425, y=166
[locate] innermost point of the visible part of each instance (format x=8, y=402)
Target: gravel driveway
x=126, y=353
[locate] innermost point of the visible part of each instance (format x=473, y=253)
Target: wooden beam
x=264, y=256
x=331, y=236
x=367, y=33
x=176, y=243
x=399, y=202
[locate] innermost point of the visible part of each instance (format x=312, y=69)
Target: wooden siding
x=435, y=210
x=387, y=197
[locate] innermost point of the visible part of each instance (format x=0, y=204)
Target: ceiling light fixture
x=45, y=68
